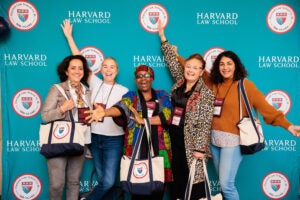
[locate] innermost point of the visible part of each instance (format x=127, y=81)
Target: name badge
x=218, y=105
x=82, y=115
x=177, y=115
x=150, y=108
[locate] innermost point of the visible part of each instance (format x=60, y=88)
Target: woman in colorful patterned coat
x=192, y=114
x=136, y=105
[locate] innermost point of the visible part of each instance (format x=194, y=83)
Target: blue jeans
x=107, y=153
x=227, y=161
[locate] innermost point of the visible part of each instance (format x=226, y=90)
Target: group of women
x=189, y=124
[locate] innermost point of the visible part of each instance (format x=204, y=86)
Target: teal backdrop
x=265, y=34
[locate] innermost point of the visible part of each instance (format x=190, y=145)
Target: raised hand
x=161, y=31
x=67, y=28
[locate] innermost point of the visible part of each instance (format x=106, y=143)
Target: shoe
x=88, y=155
x=82, y=198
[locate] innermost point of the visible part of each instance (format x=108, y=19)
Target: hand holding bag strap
x=70, y=114
x=246, y=101
x=65, y=95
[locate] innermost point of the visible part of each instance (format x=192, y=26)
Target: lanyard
x=226, y=91
x=103, y=95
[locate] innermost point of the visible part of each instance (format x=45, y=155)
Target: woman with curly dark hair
x=73, y=71
x=239, y=73
x=225, y=75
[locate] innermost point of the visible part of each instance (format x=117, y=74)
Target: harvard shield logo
x=281, y=17
x=61, y=130
x=280, y=100
x=91, y=59
x=140, y=170
x=27, y=186
x=275, y=184
x=23, y=14
x=150, y=15
x=153, y=17
x=94, y=58
x=26, y=102
x=277, y=102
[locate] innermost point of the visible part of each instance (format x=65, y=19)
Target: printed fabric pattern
x=164, y=146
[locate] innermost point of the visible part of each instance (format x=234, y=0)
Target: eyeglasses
x=143, y=75
x=193, y=67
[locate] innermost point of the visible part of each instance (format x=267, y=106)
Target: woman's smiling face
x=75, y=71
x=227, y=67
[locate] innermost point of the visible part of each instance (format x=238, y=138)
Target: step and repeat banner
x=265, y=34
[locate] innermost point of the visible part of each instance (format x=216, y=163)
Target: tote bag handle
x=246, y=101
x=71, y=118
x=137, y=146
x=188, y=189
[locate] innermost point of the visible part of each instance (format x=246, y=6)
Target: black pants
x=155, y=196
x=180, y=168
x=198, y=191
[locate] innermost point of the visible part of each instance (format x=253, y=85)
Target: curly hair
x=239, y=72
x=64, y=65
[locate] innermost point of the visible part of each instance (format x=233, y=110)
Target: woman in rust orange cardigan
x=226, y=72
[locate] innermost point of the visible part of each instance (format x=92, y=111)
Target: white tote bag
x=61, y=137
x=146, y=176
x=251, y=134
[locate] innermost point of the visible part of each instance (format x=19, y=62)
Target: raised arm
x=99, y=112
x=170, y=54
x=67, y=28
